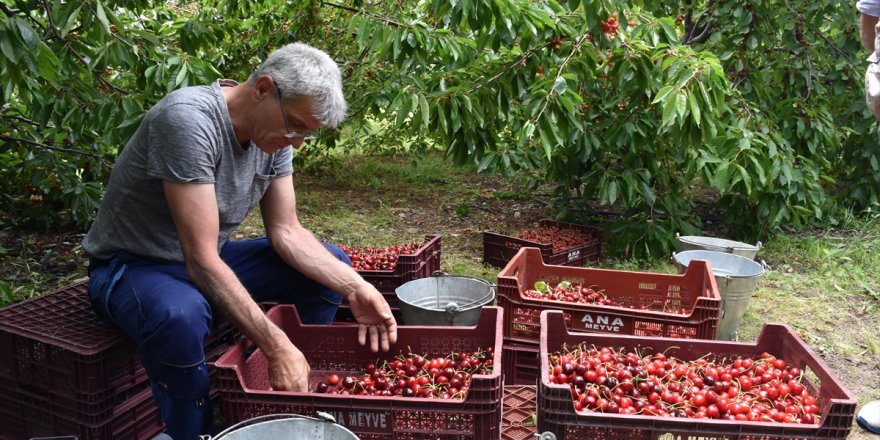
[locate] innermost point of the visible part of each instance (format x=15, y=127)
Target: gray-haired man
x=161, y=259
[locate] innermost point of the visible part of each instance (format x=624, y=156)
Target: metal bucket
x=698, y=243
x=286, y=427
x=444, y=300
x=737, y=278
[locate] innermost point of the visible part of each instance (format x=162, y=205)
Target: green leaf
x=181, y=75
x=26, y=32
x=612, y=192
x=680, y=104
x=546, y=144
x=752, y=42
x=6, y=48
x=560, y=85
x=47, y=63
x=403, y=109
x=542, y=287
x=669, y=112
x=666, y=90
x=426, y=115
x=71, y=21
x=102, y=17
x=695, y=107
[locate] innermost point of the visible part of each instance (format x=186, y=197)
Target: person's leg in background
x=168, y=319
x=268, y=278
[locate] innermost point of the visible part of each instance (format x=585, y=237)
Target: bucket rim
x=485, y=300
x=717, y=242
x=322, y=417
x=694, y=255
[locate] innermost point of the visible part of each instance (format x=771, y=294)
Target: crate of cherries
x=611, y=386
x=389, y=267
x=432, y=379
x=612, y=301
x=560, y=243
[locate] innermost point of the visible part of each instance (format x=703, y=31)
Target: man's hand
x=374, y=318
x=288, y=370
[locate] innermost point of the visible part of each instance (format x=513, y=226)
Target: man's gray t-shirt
x=185, y=137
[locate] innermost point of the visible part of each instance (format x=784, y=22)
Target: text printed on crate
x=603, y=323
x=361, y=419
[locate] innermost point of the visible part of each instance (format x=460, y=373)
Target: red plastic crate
x=422, y=264
x=518, y=418
x=245, y=391
x=137, y=418
x=520, y=363
x=57, y=354
x=498, y=249
x=56, y=343
x=556, y=409
x=696, y=291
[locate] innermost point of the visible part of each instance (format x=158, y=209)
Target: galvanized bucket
x=286, y=427
x=737, y=278
x=443, y=299
x=698, y=243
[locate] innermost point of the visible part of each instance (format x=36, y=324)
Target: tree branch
x=704, y=35
x=53, y=148
x=559, y=73
x=20, y=118
x=385, y=20
x=9, y=12
x=79, y=57
x=690, y=27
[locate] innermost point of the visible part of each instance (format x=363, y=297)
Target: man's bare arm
x=301, y=250
x=194, y=208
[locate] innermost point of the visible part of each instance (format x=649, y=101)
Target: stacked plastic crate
x=646, y=304
x=64, y=372
x=498, y=248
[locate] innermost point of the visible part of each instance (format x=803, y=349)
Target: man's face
x=284, y=122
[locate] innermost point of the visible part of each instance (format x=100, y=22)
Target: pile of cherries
x=607, y=380
x=567, y=291
x=560, y=238
x=413, y=375
x=379, y=258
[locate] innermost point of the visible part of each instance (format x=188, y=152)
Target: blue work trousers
x=158, y=306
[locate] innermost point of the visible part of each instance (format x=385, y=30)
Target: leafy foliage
x=639, y=107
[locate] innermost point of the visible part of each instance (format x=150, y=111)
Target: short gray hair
x=302, y=70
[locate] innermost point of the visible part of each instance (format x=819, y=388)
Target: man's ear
x=264, y=86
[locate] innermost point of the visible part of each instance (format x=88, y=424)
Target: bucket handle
x=321, y=417
x=453, y=308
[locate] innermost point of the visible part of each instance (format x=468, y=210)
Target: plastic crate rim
x=226, y=362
